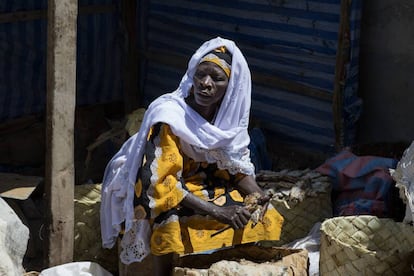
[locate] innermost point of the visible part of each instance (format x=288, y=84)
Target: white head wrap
x=225, y=142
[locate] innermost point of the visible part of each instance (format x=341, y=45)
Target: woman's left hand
x=235, y=216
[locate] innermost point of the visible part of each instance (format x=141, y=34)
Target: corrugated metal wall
x=291, y=47
x=23, y=35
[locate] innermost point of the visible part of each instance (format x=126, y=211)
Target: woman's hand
x=235, y=216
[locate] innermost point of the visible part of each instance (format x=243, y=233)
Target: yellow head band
x=223, y=64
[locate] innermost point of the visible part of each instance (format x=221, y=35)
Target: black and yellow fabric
x=167, y=175
x=221, y=57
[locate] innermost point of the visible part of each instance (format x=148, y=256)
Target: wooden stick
x=220, y=231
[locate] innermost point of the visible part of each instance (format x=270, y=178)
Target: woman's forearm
x=248, y=185
x=236, y=216
x=200, y=206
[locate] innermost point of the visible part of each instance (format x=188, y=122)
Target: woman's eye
x=220, y=77
x=199, y=75
x=214, y=77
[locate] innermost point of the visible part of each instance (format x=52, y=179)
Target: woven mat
x=366, y=245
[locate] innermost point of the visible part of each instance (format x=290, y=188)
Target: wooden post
x=342, y=56
x=61, y=100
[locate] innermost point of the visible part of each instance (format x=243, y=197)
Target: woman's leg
x=163, y=264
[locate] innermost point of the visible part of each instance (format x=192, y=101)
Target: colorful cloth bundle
x=360, y=184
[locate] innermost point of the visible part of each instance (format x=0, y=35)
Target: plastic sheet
x=404, y=178
x=76, y=269
x=14, y=236
x=312, y=244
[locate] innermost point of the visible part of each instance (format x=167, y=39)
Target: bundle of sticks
x=293, y=186
x=287, y=186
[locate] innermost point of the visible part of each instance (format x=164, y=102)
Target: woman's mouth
x=206, y=92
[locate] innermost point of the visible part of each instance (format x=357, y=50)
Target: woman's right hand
x=235, y=216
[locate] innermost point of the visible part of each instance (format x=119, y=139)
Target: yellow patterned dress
x=167, y=175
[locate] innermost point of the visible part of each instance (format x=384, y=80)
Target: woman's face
x=210, y=84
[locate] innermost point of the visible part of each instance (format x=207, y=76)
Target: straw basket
x=302, y=197
x=301, y=217
x=366, y=245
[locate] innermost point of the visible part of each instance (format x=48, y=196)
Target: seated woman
x=183, y=177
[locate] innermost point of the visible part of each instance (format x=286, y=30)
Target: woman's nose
x=207, y=82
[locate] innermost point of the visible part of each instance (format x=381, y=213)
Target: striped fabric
x=361, y=185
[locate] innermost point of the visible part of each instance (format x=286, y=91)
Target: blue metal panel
x=23, y=63
x=100, y=54
x=295, y=41
x=22, y=5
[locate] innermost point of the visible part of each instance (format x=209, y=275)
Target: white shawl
x=225, y=142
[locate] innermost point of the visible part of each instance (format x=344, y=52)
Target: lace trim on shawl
x=135, y=243
x=234, y=162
